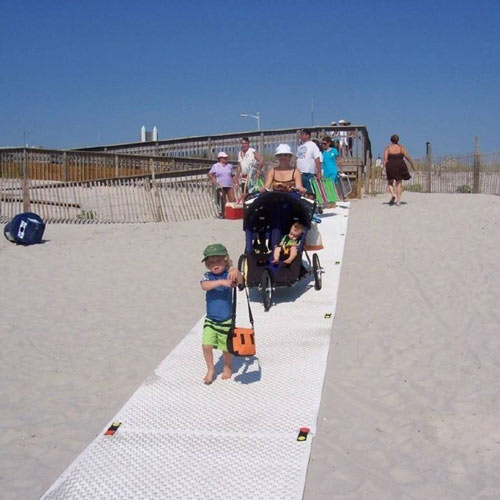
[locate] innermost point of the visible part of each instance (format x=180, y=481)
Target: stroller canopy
x=277, y=210
x=270, y=216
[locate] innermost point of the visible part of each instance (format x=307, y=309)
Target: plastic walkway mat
x=238, y=439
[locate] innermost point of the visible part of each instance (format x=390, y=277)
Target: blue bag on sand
x=26, y=228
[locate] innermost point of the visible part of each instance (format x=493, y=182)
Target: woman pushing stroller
x=284, y=177
x=276, y=224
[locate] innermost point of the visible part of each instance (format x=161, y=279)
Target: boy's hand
x=234, y=276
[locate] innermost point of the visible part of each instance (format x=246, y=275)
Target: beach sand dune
x=411, y=401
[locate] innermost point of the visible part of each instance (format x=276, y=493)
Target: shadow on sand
x=251, y=373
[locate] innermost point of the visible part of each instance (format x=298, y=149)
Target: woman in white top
x=249, y=166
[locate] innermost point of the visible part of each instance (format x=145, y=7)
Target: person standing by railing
x=308, y=159
x=249, y=166
x=350, y=142
x=330, y=167
x=222, y=175
x=343, y=140
x=396, y=168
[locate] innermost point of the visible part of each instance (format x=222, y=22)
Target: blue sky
x=92, y=72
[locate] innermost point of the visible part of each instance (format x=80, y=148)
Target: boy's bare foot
x=227, y=373
x=209, y=377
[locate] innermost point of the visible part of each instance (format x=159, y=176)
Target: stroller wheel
x=267, y=289
x=242, y=265
x=317, y=272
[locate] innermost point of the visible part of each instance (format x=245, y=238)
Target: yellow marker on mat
x=304, y=431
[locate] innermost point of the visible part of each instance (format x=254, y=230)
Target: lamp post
x=256, y=116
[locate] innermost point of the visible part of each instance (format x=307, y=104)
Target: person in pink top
x=222, y=175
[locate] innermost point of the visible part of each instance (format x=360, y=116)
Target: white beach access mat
x=237, y=439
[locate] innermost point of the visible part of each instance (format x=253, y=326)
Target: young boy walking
x=218, y=282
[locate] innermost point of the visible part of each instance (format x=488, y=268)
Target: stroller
x=267, y=218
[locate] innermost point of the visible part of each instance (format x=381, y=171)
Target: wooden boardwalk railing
x=80, y=187
x=186, y=196
x=83, y=186
x=265, y=141
x=57, y=165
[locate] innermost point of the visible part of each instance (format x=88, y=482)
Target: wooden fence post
x=65, y=167
x=476, y=187
x=26, y=192
x=116, y=165
x=359, y=182
x=428, y=165
x=156, y=196
x=368, y=176
x=372, y=180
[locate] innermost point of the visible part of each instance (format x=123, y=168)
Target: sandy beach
x=86, y=317
x=410, y=408
x=411, y=401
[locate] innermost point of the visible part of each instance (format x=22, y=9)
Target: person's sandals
x=393, y=199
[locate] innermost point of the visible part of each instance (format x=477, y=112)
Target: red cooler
x=234, y=211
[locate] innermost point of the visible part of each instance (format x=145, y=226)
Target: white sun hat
x=283, y=149
x=222, y=155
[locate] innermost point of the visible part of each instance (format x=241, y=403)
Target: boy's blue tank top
x=219, y=300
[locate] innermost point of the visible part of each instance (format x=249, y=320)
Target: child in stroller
x=287, y=248
x=268, y=219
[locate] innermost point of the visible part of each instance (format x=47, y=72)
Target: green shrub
x=464, y=189
x=417, y=188
x=86, y=215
